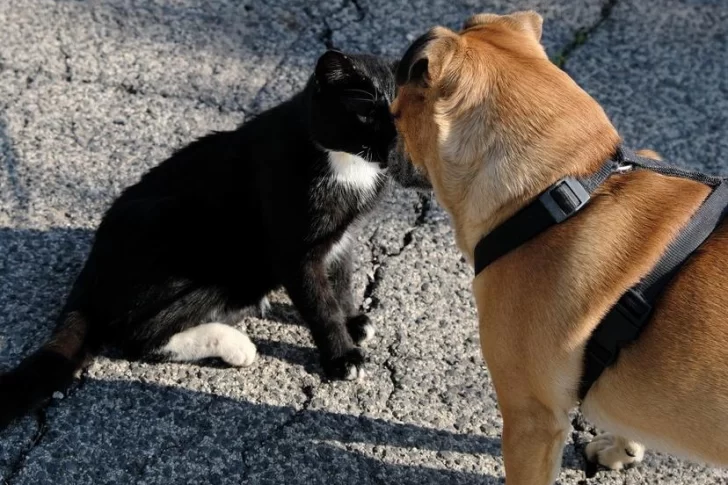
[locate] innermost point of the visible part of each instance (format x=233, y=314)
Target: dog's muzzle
x=403, y=171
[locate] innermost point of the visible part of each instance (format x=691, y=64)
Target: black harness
x=624, y=321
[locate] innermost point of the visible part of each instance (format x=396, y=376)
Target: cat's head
x=351, y=94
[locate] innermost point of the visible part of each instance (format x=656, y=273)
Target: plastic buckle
x=559, y=212
x=634, y=308
x=621, y=325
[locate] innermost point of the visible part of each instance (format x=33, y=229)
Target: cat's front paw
x=348, y=367
x=360, y=328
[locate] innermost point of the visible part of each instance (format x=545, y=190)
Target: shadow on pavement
x=159, y=434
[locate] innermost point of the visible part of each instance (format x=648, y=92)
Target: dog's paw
x=360, y=328
x=614, y=452
x=348, y=367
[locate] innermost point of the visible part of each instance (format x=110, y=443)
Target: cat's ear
x=333, y=68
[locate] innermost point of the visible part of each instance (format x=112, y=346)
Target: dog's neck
x=514, y=164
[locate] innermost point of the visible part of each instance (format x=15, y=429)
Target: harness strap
x=626, y=156
x=626, y=319
x=556, y=204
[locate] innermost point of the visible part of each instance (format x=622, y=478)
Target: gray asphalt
x=94, y=93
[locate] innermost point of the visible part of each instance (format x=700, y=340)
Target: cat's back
x=217, y=180
x=206, y=163
x=266, y=145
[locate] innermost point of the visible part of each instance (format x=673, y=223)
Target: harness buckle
x=564, y=199
x=621, y=325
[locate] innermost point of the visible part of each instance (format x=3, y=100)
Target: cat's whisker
x=367, y=96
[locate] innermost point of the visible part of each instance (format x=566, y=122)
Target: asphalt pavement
x=94, y=93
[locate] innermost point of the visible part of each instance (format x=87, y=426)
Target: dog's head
x=483, y=112
x=450, y=85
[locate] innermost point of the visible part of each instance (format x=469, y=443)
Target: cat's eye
x=365, y=118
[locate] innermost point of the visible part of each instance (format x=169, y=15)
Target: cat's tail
x=48, y=370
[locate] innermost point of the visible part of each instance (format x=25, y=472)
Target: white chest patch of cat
x=354, y=171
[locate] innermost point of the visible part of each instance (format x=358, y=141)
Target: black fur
x=223, y=222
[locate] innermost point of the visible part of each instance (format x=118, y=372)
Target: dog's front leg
x=533, y=439
x=535, y=415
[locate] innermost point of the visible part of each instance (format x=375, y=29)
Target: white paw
x=264, y=307
x=361, y=329
x=369, y=331
x=354, y=373
x=238, y=352
x=614, y=452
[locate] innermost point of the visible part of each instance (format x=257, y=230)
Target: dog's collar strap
x=555, y=205
x=624, y=321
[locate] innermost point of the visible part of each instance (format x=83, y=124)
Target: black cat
x=223, y=222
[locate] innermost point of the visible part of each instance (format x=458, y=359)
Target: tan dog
x=493, y=123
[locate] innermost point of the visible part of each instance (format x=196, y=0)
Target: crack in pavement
x=20, y=213
x=327, y=33
x=67, y=75
x=370, y=299
x=254, y=104
x=41, y=416
x=389, y=365
x=359, y=10
x=129, y=88
x=581, y=36
x=126, y=86
x=580, y=425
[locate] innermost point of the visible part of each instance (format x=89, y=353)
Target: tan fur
x=493, y=124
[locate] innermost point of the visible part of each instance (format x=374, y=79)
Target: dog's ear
x=427, y=58
x=334, y=67
x=529, y=22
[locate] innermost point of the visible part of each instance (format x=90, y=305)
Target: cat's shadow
x=299, y=355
